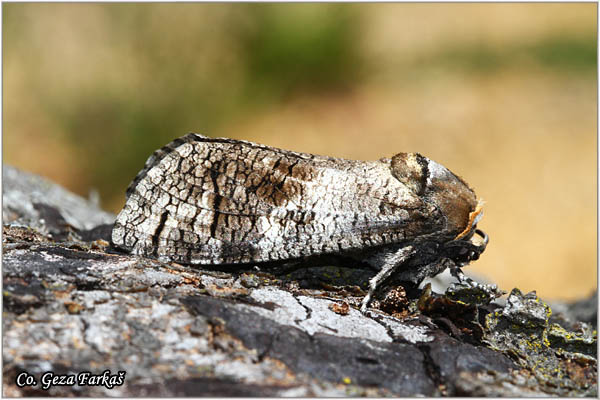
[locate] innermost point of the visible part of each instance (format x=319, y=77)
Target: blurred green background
x=502, y=94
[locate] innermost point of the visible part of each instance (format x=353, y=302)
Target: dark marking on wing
x=158, y=231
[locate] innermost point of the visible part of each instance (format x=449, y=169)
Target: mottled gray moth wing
x=213, y=201
x=155, y=159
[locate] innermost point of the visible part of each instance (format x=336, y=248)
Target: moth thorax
x=411, y=170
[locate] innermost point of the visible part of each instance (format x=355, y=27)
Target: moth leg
x=391, y=262
x=456, y=272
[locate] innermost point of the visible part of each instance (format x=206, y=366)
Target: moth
x=200, y=200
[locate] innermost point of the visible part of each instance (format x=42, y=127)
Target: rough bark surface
x=73, y=304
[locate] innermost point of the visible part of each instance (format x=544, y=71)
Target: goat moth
x=200, y=200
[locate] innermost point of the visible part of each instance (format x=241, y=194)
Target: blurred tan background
x=502, y=94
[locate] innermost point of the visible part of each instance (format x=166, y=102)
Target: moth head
x=436, y=185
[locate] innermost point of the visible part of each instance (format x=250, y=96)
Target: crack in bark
x=306, y=308
x=431, y=368
x=378, y=319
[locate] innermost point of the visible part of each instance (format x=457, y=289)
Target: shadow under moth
x=200, y=200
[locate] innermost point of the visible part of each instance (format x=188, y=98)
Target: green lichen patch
x=552, y=354
x=462, y=292
x=582, y=342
